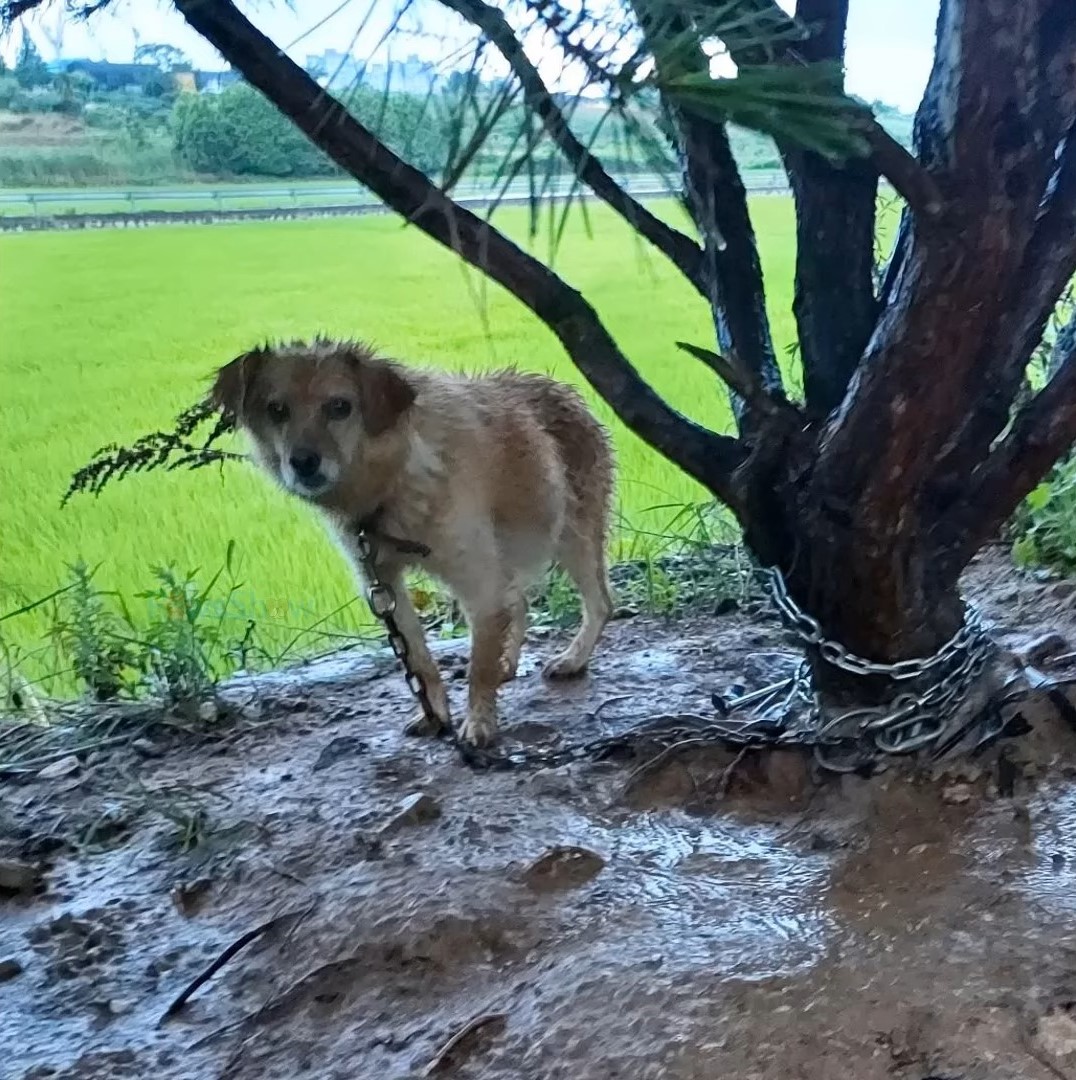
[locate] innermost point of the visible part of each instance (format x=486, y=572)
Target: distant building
x=109, y=76
x=213, y=82
x=338, y=70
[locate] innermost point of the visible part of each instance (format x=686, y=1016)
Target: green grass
x=108, y=334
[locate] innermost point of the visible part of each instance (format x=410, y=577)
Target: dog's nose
x=305, y=463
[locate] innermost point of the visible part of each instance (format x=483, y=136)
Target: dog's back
x=582, y=444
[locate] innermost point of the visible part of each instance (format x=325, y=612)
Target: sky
x=889, y=52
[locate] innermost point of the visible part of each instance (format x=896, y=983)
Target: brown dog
x=497, y=475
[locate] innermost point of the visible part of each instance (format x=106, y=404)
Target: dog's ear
x=384, y=393
x=232, y=383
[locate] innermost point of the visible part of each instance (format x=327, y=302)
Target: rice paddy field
x=106, y=335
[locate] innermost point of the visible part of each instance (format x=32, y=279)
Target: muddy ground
x=424, y=919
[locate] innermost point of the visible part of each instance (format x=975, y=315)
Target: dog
x=496, y=475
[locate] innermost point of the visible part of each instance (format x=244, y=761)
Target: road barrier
x=286, y=203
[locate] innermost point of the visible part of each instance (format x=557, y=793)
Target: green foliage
x=123, y=161
x=185, y=643
x=88, y=631
x=1044, y=527
x=804, y=105
x=10, y=91
x=238, y=133
x=30, y=70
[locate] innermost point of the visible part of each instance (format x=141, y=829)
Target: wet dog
x=496, y=475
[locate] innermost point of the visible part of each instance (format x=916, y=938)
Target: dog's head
x=314, y=411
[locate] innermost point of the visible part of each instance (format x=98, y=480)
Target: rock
x=208, y=711
x=66, y=766
x=563, y=867
x=1062, y=590
x=957, y=794
x=147, y=748
x=1035, y=651
x=17, y=876
x=188, y=896
x=10, y=969
x=1055, y=1035
x=417, y=809
x=344, y=746
x=120, y=1006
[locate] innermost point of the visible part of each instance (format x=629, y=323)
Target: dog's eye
x=338, y=408
x=278, y=411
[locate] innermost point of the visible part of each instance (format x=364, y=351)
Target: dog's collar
x=370, y=526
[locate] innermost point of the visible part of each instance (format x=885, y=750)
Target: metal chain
x=850, y=741
x=662, y=731
x=382, y=600
x=912, y=721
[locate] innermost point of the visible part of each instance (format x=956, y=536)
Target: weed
x=1045, y=525
x=88, y=631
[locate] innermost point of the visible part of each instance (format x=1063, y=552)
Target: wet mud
x=394, y=915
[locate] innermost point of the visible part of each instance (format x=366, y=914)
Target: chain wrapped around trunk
x=788, y=714
x=926, y=715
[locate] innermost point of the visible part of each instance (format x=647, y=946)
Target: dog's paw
x=509, y=669
x=428, y=726
x=565, y=666
x=479, y=729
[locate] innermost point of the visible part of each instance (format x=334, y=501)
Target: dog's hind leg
x=422, y=663
x=583, y=559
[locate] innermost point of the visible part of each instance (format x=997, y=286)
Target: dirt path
x=902, y=927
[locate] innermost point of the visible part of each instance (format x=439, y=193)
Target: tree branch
x=718, y=203
x=708, y=457
x=905, y=172
x=1042, y=432
x=822, y=25
x=679, y=248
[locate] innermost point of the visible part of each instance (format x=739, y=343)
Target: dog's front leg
x=421, y=662
x=489, y=633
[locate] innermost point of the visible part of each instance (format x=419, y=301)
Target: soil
x=403, y=916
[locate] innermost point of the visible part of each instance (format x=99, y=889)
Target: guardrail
x=283, y=203
x=292, y=194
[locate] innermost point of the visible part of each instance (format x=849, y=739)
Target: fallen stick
x=443, y=1058
x=236, y=946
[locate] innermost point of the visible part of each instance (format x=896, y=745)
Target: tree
x=164, y=57
x=906, y=453
x=30, y=70
x=238, y=132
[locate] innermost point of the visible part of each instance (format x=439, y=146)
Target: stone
x=416, y=809
x=10, y=969
x=1055, y=1035
x=1035, y=651
x=563, y=867
x=147, y=748
x=66, y=766
x=344, y=746
x=957, y=794
x=188, y=896
x=208, y=711
x=17, y=876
